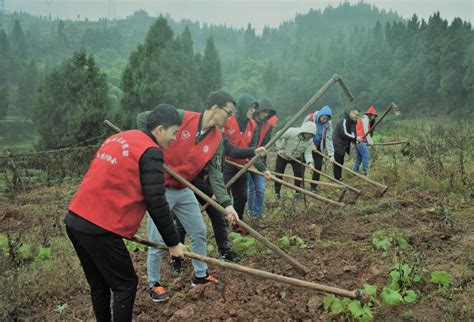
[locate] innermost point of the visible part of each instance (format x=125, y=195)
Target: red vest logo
x=185, y=135
x=231, y=131
x=249, y=134
x=205, y=149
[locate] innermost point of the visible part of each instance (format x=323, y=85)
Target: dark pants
x=219, y=223
x=238, y=189
x=318, y=165
x=107, y=266
x=339, y=158
x=280, y=168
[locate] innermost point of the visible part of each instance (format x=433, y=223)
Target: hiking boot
x=230, y=256
x=205, y=280
x=277, y=196
x=176, y=266
x=314, y=190
x=158, y=293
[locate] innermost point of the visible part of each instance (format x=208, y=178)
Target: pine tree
x=210, y=70
x=18, y=41
x=71, y=103
x=26, y=90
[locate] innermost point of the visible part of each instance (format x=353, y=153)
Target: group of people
x=126, y=180
x=316, y=137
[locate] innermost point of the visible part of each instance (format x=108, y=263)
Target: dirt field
x=337, y=248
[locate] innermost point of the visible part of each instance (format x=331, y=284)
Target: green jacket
x=213, y=167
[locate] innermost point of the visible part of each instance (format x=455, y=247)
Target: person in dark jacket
x=266, y=120
x=343, y=136
x=124, y=179
x=241, y=130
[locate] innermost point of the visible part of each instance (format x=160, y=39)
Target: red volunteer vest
x=184, y=156
x=110, y=194
x=265, y=127
x=243, y=140
x=360, y=130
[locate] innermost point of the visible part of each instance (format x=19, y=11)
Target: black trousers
x=318, y=165
x=339, y=158
x=280, y=168
x=219, y=223
x=107, y=265
x=238, y=189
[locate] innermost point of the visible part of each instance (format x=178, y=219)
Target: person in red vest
x=124, y=179
x=364, y=125
x=266, y=120
x=241, y=131
x=197, y=144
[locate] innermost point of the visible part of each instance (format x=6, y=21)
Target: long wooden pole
x=357, y=191
x=391, y=143
x=258, y=273
x=319, y=183
x=213, y=203
x=283, y=182
x=389, y=108
x=384, y=187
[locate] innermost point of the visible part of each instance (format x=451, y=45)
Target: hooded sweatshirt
x=267, y=124
x=323, y=137
x=292, y=144
x=365, y=124
x=243, y=104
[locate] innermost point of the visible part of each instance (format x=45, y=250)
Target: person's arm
x=329, y=142
x=281, y=141
x=253, y=143
x=365, y=125
x=152, y=181
x=308, y=153
x=216, y=179
x=236, y=152
x=342, y=130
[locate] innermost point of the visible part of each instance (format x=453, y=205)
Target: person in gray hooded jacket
x=296, y=142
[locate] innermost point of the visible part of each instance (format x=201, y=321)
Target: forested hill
x=421, y=65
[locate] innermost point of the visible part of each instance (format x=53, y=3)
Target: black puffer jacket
x=344, y=134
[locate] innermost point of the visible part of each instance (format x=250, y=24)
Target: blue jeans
x=184, y=205
x=361, y=156
x=256, y=194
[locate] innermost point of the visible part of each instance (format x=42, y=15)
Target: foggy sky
x=237, y=13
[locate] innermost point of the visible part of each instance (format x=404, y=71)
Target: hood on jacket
x=243, y=104
x=326, y=110
x=307, y=127
x=265, y=105
x=371, y=111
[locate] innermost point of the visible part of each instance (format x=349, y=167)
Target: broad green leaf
x=25, y=251
x=370, y=290
x=390, y=296
x=395, y=275
x=328, y=299
x=44, y=253
x=417, y=278
x=441, y=277
x=406, y=270
x=337, y=307
x=356, y=308
x=285, y=241
x=250, y=252
x=235, y=236
x=410, y=296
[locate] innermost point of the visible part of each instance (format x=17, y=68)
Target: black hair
x=219, y=98
x=165, y=115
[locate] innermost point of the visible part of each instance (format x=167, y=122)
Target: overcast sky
x=230, y=12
